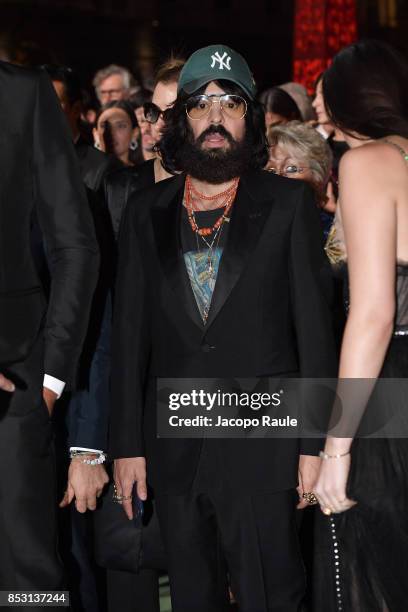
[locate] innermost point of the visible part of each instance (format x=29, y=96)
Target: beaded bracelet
x=324, y=455
x=97, y=461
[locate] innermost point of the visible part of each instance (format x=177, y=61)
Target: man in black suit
x=83, y=423
x=94, y=165
x=87, y=414
x=221, y=276
x=39, y=344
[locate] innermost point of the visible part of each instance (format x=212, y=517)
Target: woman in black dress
x=362, y=532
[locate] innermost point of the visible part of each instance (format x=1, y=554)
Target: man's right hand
x=6, y=384
x=126, y=472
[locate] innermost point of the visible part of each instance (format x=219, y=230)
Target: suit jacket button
x=207, y=348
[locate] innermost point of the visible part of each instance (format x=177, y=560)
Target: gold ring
x=310, y=498
x=327, y=511
x=127, y=497
x=116, y=496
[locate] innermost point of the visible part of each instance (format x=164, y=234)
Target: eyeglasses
x=152, y=112
x=288, y=170
x=199, y=107
x=110, y=92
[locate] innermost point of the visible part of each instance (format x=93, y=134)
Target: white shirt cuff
x=54, y=384
x=88, y=450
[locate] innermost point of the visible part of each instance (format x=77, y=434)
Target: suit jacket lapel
x=166, y=220
x=247, y=222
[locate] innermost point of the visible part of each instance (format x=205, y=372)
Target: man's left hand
x=309, y=466
x=85, y=484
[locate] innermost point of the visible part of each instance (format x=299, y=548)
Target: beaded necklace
x=204, y=232
x=229, y=195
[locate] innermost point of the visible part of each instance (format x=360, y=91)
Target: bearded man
x=219, y=276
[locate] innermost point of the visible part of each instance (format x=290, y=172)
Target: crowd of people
x=160, y=236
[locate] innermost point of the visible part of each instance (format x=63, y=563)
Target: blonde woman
x=297, y=151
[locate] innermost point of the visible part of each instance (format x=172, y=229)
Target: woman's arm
x=368, y=205
x=368, y=208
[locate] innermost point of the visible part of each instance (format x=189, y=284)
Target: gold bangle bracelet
x=324, y=455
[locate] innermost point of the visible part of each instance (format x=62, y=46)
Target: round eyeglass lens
x=198, y=107
x=292, y=169
x=234, y=107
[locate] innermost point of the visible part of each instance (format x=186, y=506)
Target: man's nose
x=216, y=115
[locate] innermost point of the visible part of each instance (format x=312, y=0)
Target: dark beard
x=216, y=166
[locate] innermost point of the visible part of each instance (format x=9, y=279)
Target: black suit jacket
x=121, y=184
x=95, y=166
x=39, y=170
x=88, y=408
x=112, y=183
x=269, y=316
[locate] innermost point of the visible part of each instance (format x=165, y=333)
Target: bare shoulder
x=372, y=178
x=374, y=158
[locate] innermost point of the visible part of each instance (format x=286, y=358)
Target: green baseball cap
x=215, y=63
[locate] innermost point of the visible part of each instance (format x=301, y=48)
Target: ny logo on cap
x=222, y=62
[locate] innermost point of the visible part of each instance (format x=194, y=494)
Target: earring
x=133, y=145
x=97, y=145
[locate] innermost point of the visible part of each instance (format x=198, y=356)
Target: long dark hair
x=176, y=129
x=276, y=100
x=135, y=156
x=366, y=90
x=123, y=105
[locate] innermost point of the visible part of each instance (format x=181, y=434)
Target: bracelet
x=324, y=455
x=97, y=461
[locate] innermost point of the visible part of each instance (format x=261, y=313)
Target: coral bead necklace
x=215, y=231
x=229, y=195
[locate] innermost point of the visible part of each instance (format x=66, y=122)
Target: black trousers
x=129, y=592
x=255, y=534
x=28, y=528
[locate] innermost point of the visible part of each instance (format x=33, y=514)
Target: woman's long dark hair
x=278, y=101
x=366, y=90
x=135, y=156
x=177, y=129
